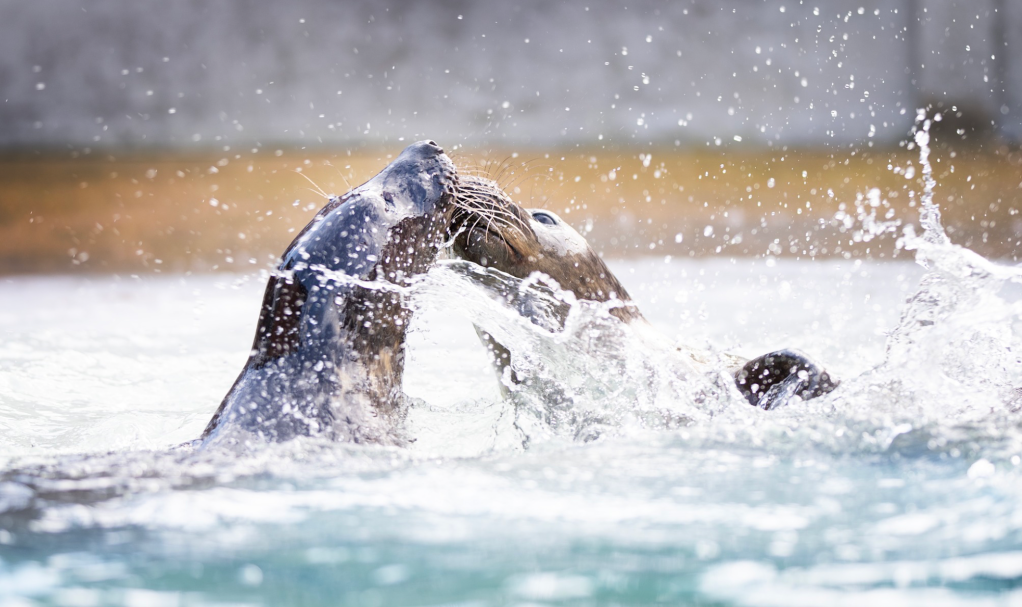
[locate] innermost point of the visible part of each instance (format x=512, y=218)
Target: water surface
x=875, y=493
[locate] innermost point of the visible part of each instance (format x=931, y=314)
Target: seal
x=492, y=230
x=328, y=354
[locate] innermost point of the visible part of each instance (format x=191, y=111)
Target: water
x=626, y=473
x=868, y=493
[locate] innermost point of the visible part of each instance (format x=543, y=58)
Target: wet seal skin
x=329, y=348
x=771, y=380
x=490, y=229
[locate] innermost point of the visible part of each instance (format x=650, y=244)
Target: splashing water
x=929, y=216
x=582, y=372
x=958, y=341
x=952, y=358
x=623, y=469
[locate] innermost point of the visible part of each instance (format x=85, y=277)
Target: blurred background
x=151, y=136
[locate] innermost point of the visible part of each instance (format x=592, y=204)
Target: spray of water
x=929, y=215
x=581, y=372
x=900, y=486
x=952, y=359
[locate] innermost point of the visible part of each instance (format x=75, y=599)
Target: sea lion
x=492, y=230
x=328, y=354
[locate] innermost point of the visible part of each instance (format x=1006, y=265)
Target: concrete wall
x=969, y=55
x=159, y=73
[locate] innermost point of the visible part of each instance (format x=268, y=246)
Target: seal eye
x=388, y=198
x=544, y=218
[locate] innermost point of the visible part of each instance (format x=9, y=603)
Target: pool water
x=624, y=470
x=901, y=486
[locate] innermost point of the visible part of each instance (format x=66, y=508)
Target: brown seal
x=328, y=355
x=492, y=230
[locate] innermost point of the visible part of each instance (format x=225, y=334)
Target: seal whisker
x=482, y=205
x=346, y=182
x=526, y=176
x=509, y=170
x=508, y=219
x=317, y=190
x=495, y=214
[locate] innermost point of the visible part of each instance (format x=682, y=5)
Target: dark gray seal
x=328, y=355
x=490, y=229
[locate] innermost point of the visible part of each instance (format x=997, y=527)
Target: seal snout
x=420, y=181
x=428, y=154
x=427, y=149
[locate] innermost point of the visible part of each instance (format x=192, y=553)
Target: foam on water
x=625, y=470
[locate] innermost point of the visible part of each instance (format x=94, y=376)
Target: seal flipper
x=770, y=381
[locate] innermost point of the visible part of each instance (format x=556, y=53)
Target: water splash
x=955, y=353
x=952, y=361
x=582, y=373
x=929, y=217
x=866, y=208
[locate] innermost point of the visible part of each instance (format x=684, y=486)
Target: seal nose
x=422, y=150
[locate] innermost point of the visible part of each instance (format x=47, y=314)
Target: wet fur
x=328, y=354
x=492, y=230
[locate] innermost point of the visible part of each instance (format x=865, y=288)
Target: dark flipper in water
x=772, y=380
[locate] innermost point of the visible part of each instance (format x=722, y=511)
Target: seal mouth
x=486, y=222
x=486, y=247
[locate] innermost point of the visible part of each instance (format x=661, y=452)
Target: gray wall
x=158, y=73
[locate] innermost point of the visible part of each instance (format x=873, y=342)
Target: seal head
x=328, y=354
x=493, y=231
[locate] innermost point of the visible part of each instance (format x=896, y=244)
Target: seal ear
x=279, y=318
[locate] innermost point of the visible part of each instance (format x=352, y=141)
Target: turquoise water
x=807, y=529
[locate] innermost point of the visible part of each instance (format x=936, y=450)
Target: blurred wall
x=151, y=73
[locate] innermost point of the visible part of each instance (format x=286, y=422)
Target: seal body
x=492, y=230
x=328, y=354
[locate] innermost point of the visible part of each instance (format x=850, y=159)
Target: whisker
x=346, y=182
x=317, y=190
x=481, y=202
